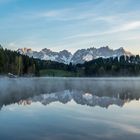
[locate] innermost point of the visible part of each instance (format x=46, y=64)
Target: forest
x=22, y=65
x=17, y=64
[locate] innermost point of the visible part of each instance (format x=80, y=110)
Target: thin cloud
x=63, y=15
x=121, y=28
x=130, y=26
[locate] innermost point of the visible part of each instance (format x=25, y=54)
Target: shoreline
x=62, y=77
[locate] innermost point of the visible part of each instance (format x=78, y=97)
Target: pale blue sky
x=70, y=24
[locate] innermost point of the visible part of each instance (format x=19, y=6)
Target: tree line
x=118, y=66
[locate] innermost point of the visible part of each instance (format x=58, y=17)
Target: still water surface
x=70, y=109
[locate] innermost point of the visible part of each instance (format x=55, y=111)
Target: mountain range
x=80, y=56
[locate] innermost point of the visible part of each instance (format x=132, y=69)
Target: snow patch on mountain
x=88, y=57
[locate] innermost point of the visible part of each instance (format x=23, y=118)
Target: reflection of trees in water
x=15, y=90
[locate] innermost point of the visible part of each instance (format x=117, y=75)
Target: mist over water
x=19, y=88
x=70, y=108
x=43, y=85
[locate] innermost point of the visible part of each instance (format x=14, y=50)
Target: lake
x=69, y=108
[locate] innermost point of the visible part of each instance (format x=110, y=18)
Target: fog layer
x=15, y=89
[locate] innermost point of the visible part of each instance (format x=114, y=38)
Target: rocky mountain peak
x=46, y=50
x=80, y=56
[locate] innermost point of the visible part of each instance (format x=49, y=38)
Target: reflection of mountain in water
x=85, y=91
x=78, y=97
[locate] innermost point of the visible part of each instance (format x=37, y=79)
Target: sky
x=70, y=24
